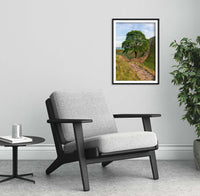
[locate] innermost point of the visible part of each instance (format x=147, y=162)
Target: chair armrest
x=57, y=121
x=78, y=133
x=145, y=119
x=135, y=115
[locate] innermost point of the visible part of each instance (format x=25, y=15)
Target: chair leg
x=84, y=175
x=81, y=155
x=104, y=164
x=154, y=168
x=57, y=163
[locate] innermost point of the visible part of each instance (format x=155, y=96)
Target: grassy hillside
x=124, y=71
x=146, y=62
x=129, y=55
x=150, y=61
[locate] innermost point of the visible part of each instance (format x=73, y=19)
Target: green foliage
x=187, y=76
x=135, y=42
x=150, y=61
x=124, y=71
x=129, y=55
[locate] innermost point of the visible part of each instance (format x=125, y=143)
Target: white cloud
x=148, y=34
x=119, y=40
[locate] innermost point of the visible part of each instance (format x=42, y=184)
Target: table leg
x=15, y=169
x=15, y=158
x=26, y=179
x=4, y=175
x=6, y=179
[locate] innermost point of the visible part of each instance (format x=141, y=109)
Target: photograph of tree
x=135, y=51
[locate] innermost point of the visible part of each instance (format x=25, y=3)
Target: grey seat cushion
x=117, y=142
x=82, y=105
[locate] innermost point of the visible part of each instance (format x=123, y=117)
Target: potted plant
x=186, y=75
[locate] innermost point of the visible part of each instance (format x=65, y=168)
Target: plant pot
x=196, y=151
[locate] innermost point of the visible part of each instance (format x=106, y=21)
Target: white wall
x=48, y=45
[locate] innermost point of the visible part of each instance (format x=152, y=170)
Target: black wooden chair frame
x=90, y=156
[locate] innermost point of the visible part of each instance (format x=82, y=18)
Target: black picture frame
x=138, y=72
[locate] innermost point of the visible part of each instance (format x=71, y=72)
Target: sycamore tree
x=135, y=42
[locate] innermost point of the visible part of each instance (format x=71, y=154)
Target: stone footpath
x=142, y=73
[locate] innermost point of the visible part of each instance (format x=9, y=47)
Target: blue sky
x=123, y=28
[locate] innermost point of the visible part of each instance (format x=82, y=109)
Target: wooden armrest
x=135, y=115
x=145, y=118
x=57, y=121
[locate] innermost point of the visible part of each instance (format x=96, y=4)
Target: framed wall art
x=135, y=51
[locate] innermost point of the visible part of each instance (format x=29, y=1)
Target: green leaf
x=175, y=66
x=198, y=39
x=186, y=74
x=198, y=110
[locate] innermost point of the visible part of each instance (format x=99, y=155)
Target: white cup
x=16, y=131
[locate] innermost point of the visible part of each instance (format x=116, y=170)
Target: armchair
x=84, y=130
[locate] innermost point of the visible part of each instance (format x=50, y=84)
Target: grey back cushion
x=82, y=105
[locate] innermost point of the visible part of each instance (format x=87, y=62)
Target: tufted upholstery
x=82, y=105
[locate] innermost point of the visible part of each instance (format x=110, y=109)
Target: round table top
x=36, y=140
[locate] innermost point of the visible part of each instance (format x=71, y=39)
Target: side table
x=35, y=140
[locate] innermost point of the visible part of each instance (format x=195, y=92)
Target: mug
x=16, y=130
